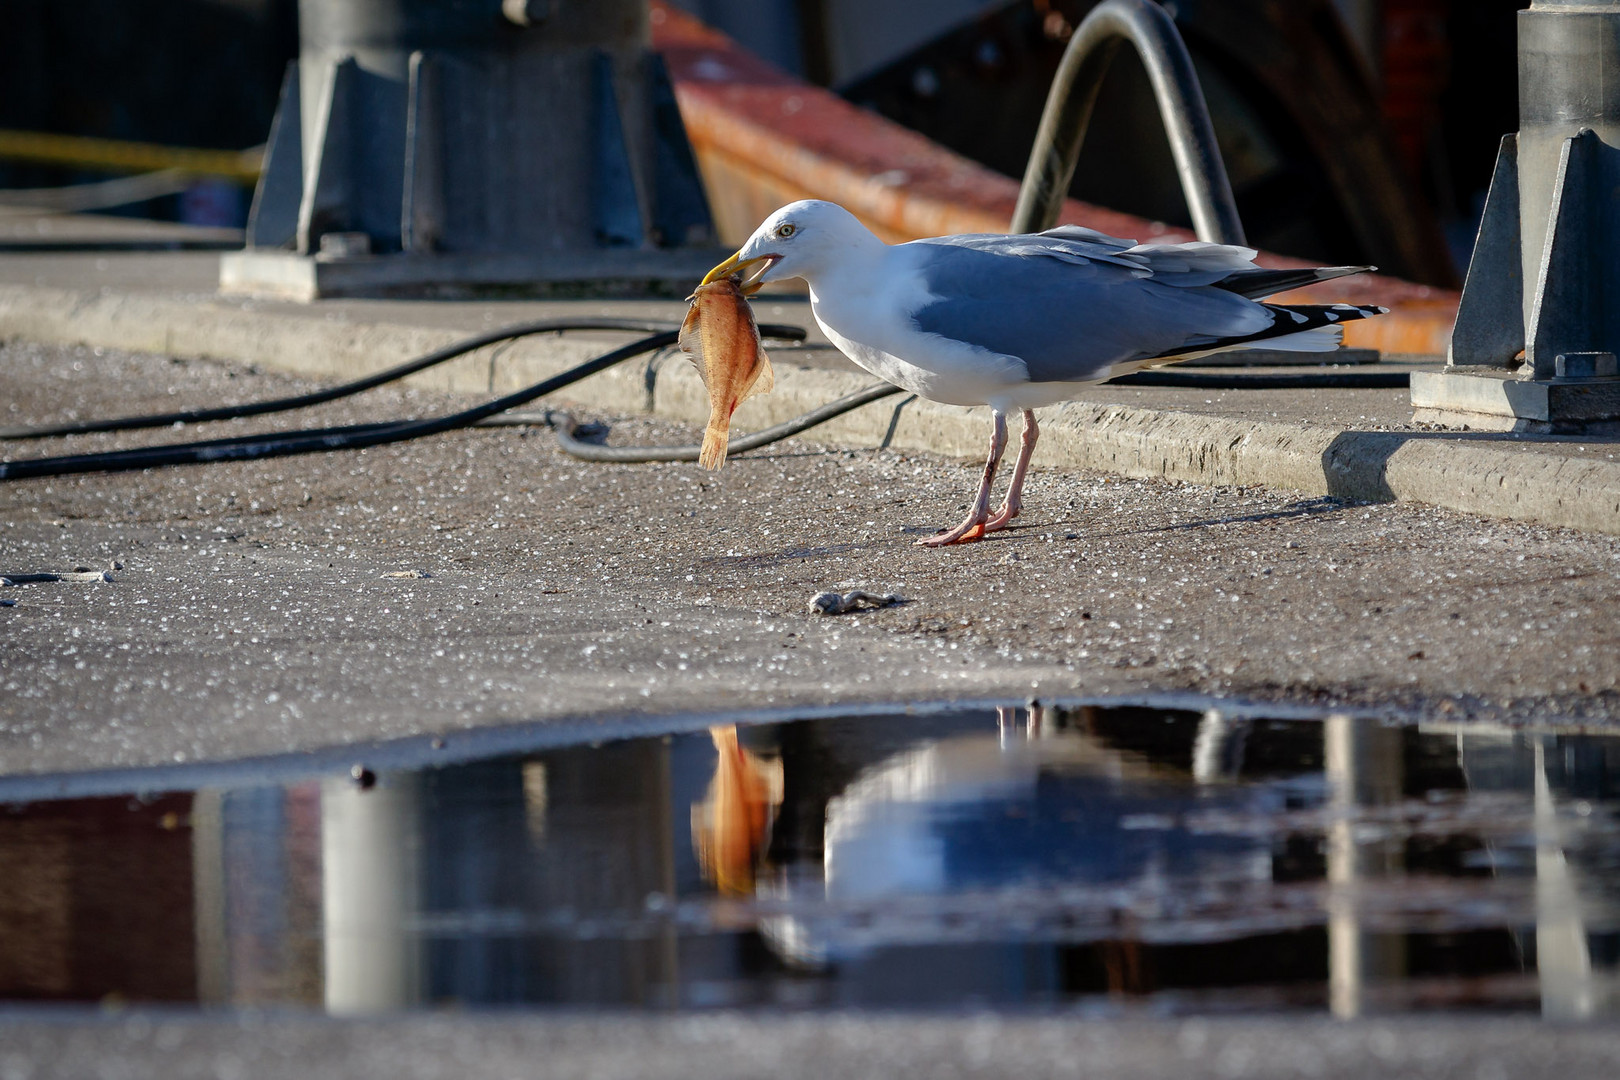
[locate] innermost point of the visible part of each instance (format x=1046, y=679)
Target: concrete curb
x=1460, y=471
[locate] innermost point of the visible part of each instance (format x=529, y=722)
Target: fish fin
x=764, y=382
x=690, y=342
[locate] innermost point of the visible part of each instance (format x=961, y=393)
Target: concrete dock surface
x=734, y=1047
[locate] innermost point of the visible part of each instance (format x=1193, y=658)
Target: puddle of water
x=1113, y=860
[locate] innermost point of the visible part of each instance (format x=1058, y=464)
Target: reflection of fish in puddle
x=732, y=825
x=722, y=340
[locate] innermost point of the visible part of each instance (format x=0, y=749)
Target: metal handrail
x=1149, y=28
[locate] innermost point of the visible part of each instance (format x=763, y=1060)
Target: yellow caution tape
x=115, y=155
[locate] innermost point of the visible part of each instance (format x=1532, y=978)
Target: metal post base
x=1560, y=377
x=1501, y=401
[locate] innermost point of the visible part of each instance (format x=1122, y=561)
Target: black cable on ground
x=565, y=426
x=332, y=393
x=353, y=437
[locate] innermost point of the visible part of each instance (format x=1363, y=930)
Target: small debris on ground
x=407, y=574
x=832, y=603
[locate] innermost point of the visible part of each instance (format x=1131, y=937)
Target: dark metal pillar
x=1539, y=326
x=445, y=143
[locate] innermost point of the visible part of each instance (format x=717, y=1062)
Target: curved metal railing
x=1149, y=28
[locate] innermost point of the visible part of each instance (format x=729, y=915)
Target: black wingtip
x=1258, y=284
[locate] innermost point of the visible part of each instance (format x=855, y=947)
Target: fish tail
x=715, y=438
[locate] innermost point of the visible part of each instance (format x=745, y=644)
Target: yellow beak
x=735, y=266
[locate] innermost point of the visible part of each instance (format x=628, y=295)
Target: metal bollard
x=470, y=144
x=1545, y=276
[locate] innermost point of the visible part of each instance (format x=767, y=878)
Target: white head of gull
x=1023, y=321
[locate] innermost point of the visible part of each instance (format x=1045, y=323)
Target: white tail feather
x=1318, y=339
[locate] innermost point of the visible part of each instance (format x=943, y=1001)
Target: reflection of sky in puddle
x=1117, y=859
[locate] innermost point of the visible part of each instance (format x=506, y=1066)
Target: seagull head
x=803, y=239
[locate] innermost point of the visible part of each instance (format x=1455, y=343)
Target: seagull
x=1017, y=322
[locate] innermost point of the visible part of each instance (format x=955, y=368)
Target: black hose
x=332, y=393
x=565, y=427
x=352, y=437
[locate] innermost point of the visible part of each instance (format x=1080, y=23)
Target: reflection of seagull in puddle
x=962, y=811
x=933, y=843
x=732, y=825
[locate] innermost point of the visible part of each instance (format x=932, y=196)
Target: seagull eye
x=786, y=230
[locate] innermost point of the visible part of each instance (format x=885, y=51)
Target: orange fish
x=722, y=340
x=732, y=825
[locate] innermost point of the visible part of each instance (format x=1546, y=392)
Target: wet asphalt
x=265, y=607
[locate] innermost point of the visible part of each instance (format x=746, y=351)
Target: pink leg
x=1015, y=491
x=973, y=527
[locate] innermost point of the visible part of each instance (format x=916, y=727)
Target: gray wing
x=1067, y=243
x=1071, y=308
x=1184, y=265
